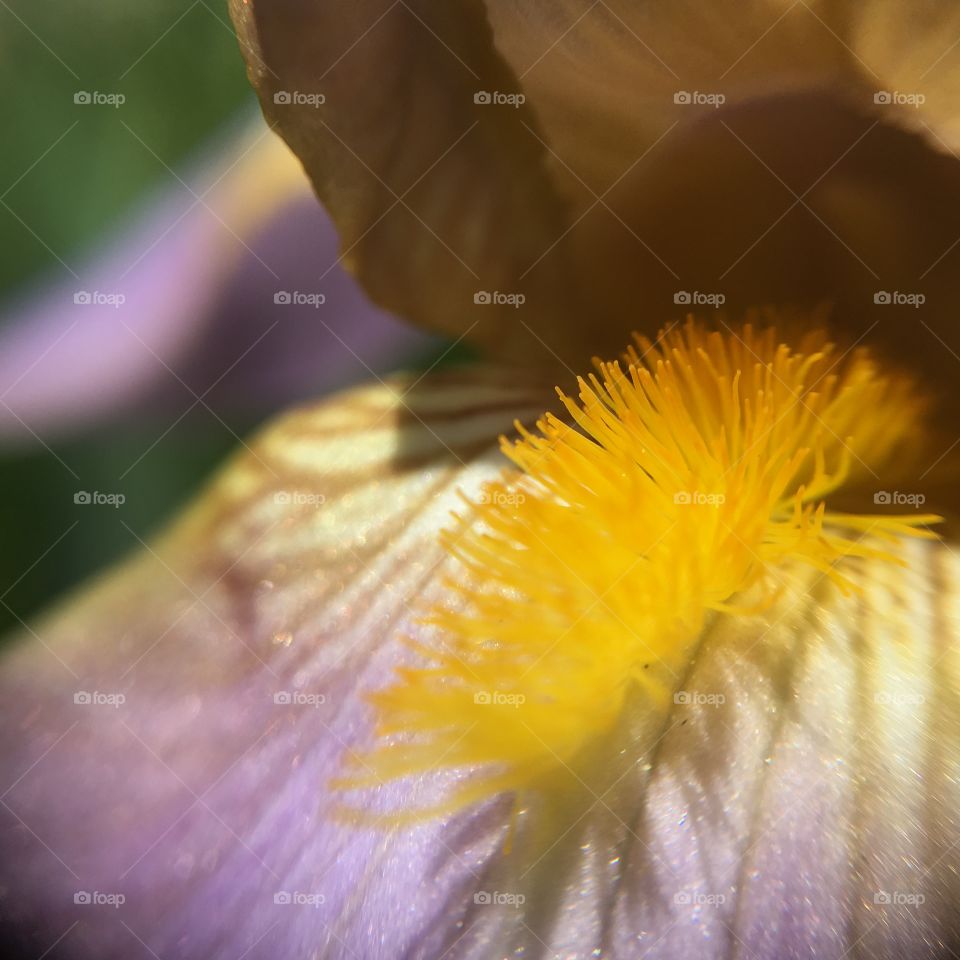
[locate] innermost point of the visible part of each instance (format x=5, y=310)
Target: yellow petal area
x=684, y=485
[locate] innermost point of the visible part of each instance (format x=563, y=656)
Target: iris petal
x=760, y=152
x=439, y=196
x=812, y=774
x=168, y=735
x=747, y=153
x=198, y=283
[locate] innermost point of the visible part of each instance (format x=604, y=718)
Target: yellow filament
x=676, y=483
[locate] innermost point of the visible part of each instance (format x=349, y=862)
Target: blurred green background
x=69, y=180
x=178, y=65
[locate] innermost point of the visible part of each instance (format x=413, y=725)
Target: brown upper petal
x=805, y=184
x=603, y=75
x=913, y=48
x=624, y=186
x=437, y=198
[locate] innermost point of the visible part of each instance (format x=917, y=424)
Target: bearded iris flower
x=674, y=683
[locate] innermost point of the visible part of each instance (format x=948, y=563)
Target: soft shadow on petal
x=199, y=797
x=437, y=197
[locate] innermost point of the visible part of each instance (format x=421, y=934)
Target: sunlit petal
x=240, y=645
x=170, y=735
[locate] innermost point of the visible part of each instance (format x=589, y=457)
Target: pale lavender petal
x=182, y=305
x=801, y=803
x=199, y=798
